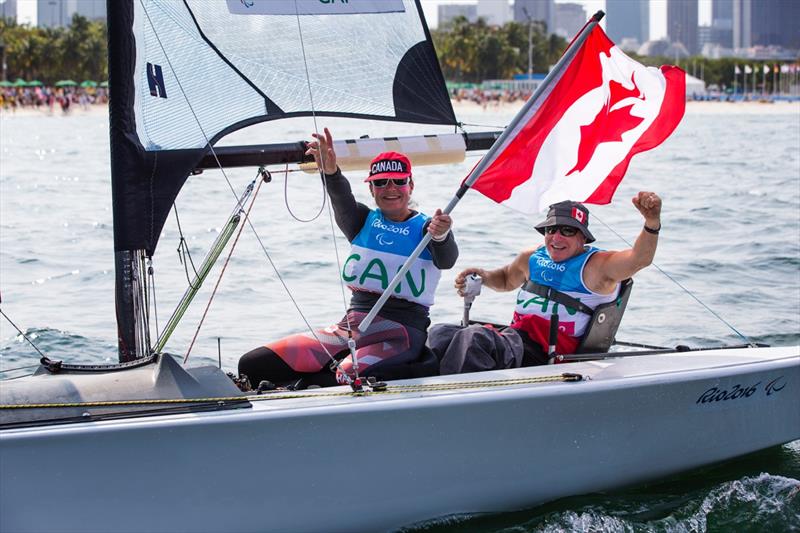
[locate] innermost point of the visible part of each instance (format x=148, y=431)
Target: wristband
x=442, y=238
x=651, y=230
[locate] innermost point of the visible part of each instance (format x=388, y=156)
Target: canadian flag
x=576, y=141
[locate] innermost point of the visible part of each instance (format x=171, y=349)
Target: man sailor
x=565, y=263
x=382, y=239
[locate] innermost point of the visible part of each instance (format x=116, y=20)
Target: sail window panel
x=350, y=60
x=197, y=94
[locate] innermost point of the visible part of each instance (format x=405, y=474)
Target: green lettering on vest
x=538, y=300
x=381, y=276
x=348, y=279
x=413, y=286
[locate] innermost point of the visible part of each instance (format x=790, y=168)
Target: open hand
x=322, y=150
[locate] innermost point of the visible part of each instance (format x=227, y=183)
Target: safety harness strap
x=557, y=296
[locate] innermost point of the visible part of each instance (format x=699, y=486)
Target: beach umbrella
x=88, y=83
x=5, y=83
x=19, y=82
x=66, y=83
x=103, y=84
x=35, y=83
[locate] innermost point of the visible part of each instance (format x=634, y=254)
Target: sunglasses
x=398, y=182
x=565, y=231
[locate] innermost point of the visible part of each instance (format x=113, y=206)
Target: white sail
x=206, y=67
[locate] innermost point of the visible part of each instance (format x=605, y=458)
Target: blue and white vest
x=381, y=248
x=532, y=312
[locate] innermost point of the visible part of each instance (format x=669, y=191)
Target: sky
x=658, y=12
x=26, y=11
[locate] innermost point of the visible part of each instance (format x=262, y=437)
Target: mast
x=128, y=287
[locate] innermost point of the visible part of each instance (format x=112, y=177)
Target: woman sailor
x=382, y=239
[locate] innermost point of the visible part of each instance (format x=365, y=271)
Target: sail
x=185, y=73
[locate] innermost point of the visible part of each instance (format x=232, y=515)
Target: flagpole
x=569, y=53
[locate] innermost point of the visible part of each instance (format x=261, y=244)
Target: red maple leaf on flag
x=527, y=171
x=607, y=126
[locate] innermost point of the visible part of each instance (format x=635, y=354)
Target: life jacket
x=381, y=248
x=536, y=302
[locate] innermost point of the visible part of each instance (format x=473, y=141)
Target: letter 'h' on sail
x=575, y=138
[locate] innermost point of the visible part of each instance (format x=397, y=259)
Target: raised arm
x=506, y=278
x=349, y=214
x=605, y=269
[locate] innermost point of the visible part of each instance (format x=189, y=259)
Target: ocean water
x=727, y=269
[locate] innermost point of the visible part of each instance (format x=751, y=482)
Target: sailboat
x=149, y=445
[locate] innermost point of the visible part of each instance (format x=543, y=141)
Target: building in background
x=58, y=13
x=569, y=20
x=628, y=21
x=704, y=34
x=682, y=23
x=8, y=9
x=495, y=13
x=742, y=35
x=448, y=12
x=526, y=11
x=775, y=23
x=765, y=24
x=722, y=23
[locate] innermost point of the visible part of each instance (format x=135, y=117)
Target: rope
x=280, y=395
x=222, y=272
x=351, y=343
x=687, y=291
x=483, y=125
x=19, y=368
x=183, y=248
x=286, y=199
x=23, y=335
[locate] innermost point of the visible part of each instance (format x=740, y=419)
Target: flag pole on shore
x=509, y=131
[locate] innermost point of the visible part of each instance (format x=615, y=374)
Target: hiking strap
x=557, y=296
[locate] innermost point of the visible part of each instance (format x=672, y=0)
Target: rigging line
x=233, y=191
x=18, y=368
x=222, y=272
x=687, y=291
x=483, y=125
x=21, y=333
x=183, y=248
x=286, y=199
x=325, y=191
x=19, y=377
x=152, y=275
x=286, y=170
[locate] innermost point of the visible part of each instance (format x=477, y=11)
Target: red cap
x=389, y=165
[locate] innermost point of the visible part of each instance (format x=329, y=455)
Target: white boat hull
x=343, y=463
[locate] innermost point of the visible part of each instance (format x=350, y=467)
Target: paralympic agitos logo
x=739, y=391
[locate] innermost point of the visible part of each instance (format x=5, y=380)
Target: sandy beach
x=471, y=108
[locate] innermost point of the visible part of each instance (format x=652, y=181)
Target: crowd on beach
x=44, y=98
x=487, y=97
